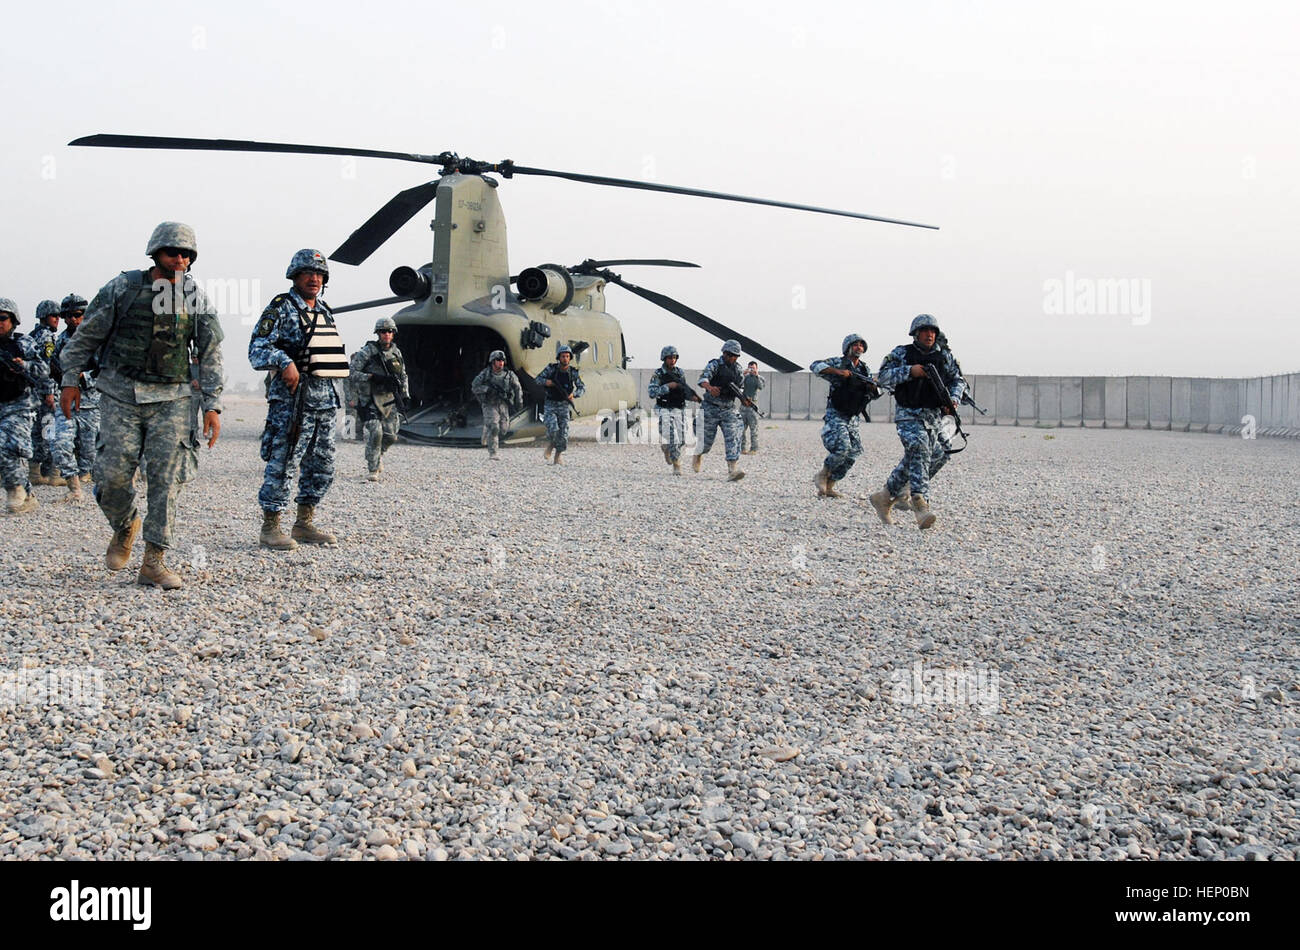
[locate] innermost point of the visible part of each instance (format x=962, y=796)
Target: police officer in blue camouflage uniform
x=73, y=446
x=42, y=340
x=918, y=413
x=143, y=324
x=296, y=340
x=720, y=409
x=846, y=401
x=21, y=376
x=563, y=385
x=668, y=390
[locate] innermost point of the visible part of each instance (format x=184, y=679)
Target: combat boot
x=558, y=459
x=695, y=463
x=74, y=490
x=903, y=502
x=34, y=474
x=924, y=516
x=677, y=468
x=883, y=502
x=153, y=572
x=119, y=549
x=822, y=480
x=306, y=532
x=668, y=455
x=373, y=476
x=55, y=479
x=830, y=488
x=547, y=454
x=273, y=535
x=734, y=474
x=18, y=500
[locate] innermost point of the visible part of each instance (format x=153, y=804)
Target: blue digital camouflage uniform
x=718, y=412
x=672, y=419
x=556, y=412
x=498, y=394
x=144, y=423
x=924, y=444
x=42, y=341
x=840, y=433
x=749, y=417
x=277, y=335
x=16, y=417
x=73, y=446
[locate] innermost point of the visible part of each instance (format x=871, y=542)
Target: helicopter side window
x=595, y=352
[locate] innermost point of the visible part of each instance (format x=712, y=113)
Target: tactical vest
x=724, y=375
x=13, y=381
x=563, y=380
x=153, y=347
x=846, y=396
x=323, y=355
x=673, y=398
x=918, y=393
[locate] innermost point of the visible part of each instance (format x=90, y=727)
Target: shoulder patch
x=264, y=326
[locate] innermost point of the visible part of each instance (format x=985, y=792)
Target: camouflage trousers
x=73, y=446
x=156, y=434
x=380, y=434
x=726, y=418
x=556, y=418
x=15, y=442
x=496, y=423
x=312, y=459
x=749, y=424
x=672, y=430
x=842, y=440
x=43, y=429
x=924, y=450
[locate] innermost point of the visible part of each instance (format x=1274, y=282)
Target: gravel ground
x=1092, y=655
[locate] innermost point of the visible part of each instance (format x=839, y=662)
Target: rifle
x=744, y=400
x=966, y=400
x=945, y=405
x=394, y=386
x=295, y=427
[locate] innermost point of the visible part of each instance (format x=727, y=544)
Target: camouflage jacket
x=549, y=373
x=43, y=341
x=500, y=387
x=895, y=370
x=83, y=348
x=89, y=394
x=837, y=362
x=36, y=372
x=277, y=339
x=370, y=361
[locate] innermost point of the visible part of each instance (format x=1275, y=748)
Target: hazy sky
x=1116, y=183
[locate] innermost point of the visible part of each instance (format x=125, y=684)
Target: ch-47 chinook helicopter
x=461, y=305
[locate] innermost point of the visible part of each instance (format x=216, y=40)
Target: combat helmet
x=173, y=234
x=923, y=320
x=8, y=306
x=668, y=351
x=385, y=323
x=308, y=259
x=46, y=308
x=731, y=346
x=72, y=302
x=496, y=355
x=850, y=340
x=563, y=348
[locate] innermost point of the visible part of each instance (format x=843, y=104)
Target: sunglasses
x=73, y=314
x=177, y=252
x=387, y=331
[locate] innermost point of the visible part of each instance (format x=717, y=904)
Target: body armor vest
x=149, y=346
x=13, y=381
x=563, y=380
x=723, y=376
x=848, y=397
x=674, y=398
x=323, y=356
x=918, y=393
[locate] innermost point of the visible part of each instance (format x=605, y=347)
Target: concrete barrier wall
x=1271, y=404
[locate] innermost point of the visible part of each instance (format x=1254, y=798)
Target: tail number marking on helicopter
x=471, y=205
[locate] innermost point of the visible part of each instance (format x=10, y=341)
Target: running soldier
x=42, y=340
x=144, y=324
x=918, y=414
x=73, y=447
x=563, y=385
x=379, y=379
x=669, y=391
x=21, y=376
x=753, y=385
x=500, y=394
x=717, y=380
x=852, y=387
x=296, y=340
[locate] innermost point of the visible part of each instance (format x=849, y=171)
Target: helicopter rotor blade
x=384, y=223
x=367, y=304
x=708, y=324
x=701, y=193
x=105, y=140
x=589, y=265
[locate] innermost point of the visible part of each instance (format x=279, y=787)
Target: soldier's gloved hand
x=69, y=399
x=290, y=376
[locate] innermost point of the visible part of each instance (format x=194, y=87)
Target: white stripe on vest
x=325, y=355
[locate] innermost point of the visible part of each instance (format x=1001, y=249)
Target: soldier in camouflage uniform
x=752, y=385
x=73, y=446
x=145, y=323
x=21, y=376
x=562, y=383
x=378, y=375
x=668, y=390
x=720, y=408
x=297, y=341
x=42, y=340
x=500, y=394
x=846, y=401
x=918, y=413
